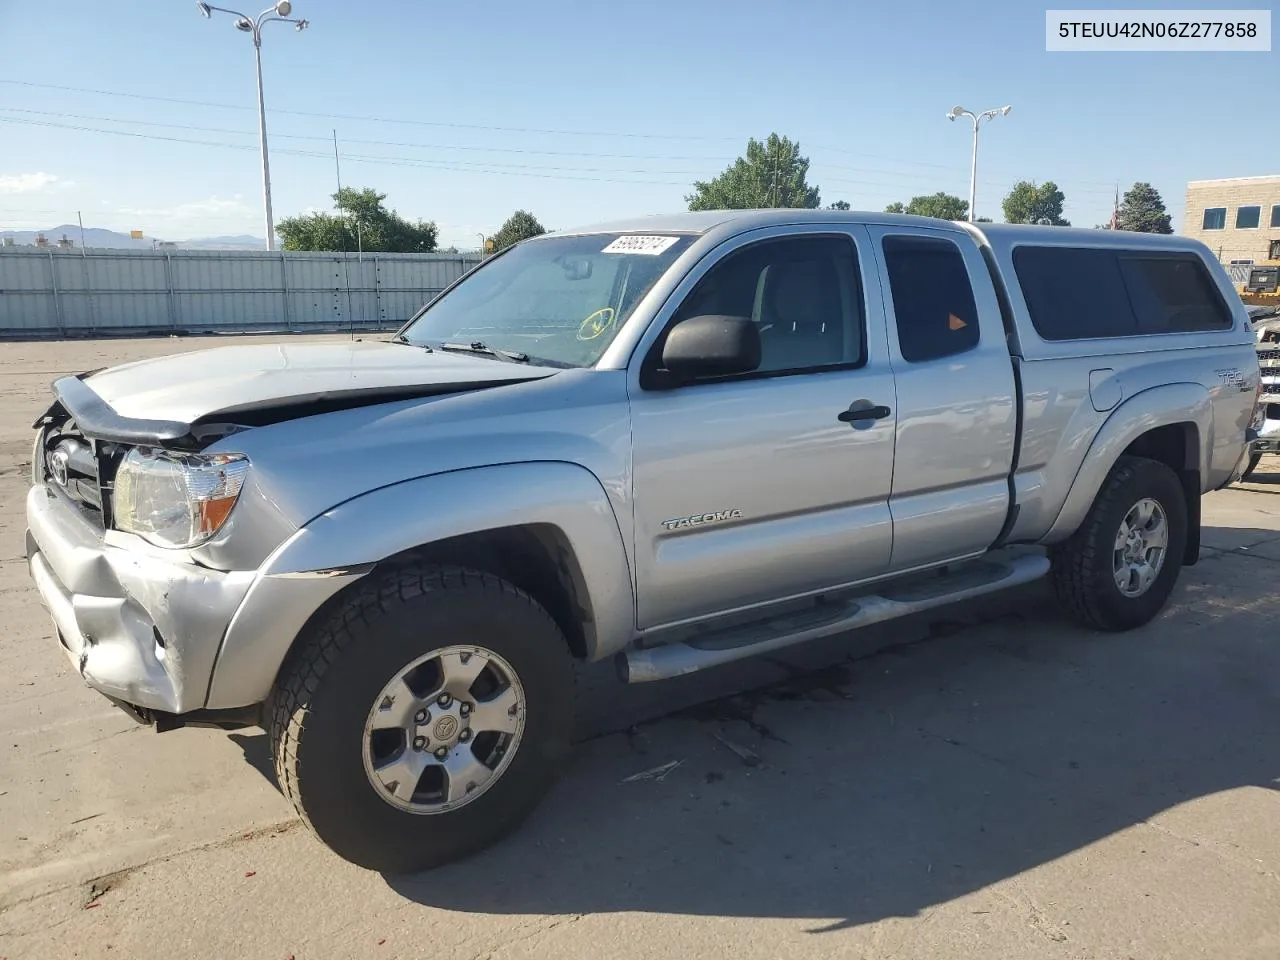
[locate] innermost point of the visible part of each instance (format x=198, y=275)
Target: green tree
x=771, y=174
x=361, y=222
x=1029, y=203
x=944, y=206
x=521, y=225
x=1142, y=211
x=839, y=205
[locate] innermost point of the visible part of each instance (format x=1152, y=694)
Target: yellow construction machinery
x=1262, y=288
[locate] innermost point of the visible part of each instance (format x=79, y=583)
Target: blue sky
x=581, y=111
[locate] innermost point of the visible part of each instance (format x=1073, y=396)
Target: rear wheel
x=1117, y=570
x=424, y=719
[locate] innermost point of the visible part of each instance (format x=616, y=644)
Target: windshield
x=557, y=300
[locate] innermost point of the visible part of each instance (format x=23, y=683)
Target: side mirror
x=711, y=346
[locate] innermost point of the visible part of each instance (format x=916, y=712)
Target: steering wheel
x=597, y=324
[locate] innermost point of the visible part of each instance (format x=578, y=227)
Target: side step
x=736, y=643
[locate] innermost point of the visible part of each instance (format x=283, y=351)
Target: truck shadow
x=883, y=783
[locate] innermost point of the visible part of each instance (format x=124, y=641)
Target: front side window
x=1247, y=217
x=1215, y=218
x=932, y=298
x=803, y=293
x=556, y=300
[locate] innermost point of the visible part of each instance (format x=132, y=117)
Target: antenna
x=773, y=191
x=337, y=169
x=346, y=274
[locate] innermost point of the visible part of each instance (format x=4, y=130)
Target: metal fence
x=1239, y=272
x=67, y=293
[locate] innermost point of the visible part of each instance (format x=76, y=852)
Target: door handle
x=862, y=410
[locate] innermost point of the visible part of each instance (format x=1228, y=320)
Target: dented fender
x=344, y=543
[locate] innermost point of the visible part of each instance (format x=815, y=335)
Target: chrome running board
x=716, y=647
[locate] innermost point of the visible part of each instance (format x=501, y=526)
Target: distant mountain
x=96, y=237
x=93, y=237
x=241, y=241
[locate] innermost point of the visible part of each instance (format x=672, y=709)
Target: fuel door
x=1104, y=389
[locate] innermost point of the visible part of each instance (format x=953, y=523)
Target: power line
x=437, y=146
x=237, y=146
x=371, y=119
x=482, y=167
x=389, y=143
x=393, y=161
x=485, y=127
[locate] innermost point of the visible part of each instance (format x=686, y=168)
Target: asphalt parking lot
x=992, y=783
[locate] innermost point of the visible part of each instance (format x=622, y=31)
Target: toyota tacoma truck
x=674, y=441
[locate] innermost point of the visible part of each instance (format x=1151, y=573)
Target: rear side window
x=932, y=298
x=1172, y=294
x=1079, y=294
x=1074, y=293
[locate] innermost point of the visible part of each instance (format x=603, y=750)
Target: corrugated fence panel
x=53, y=292
x=27, y=299
x=227, y=309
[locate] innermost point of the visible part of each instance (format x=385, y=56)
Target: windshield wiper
x=402, y=338
x=479, y=346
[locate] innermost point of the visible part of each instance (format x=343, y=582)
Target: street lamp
x=977, y=118
x=278, y=13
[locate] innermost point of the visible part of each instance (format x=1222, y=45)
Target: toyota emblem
x=58, y=466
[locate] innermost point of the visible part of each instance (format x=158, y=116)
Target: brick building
x=1237, y=218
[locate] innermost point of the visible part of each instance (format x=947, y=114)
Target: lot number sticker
x=649, y=246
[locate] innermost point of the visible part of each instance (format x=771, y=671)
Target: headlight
x=176, y=499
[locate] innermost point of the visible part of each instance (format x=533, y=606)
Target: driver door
x=751, y=488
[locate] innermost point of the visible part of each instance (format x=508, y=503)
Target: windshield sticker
x=649, y=246
x=598, y=323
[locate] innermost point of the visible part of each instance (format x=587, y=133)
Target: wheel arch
x=536, y=557
x=1171, y=423
x=547, y=527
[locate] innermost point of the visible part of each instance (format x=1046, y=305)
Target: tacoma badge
x=698, y=519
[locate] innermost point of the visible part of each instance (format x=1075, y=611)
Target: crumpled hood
x=1267, y=333
x=224, y=380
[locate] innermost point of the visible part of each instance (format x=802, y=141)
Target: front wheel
x=1253, y=465
x=423, y=719
x=1117, y=570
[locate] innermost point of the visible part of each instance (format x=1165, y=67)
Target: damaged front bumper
x=142, y=629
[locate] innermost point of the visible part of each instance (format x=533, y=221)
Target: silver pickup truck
x=673, y=441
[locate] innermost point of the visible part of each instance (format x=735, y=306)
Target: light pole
x=977, y=118
x=277, y=13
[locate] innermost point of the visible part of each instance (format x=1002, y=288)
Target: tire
x=1253, y=465
x=1084, y=571
x=325, y=757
